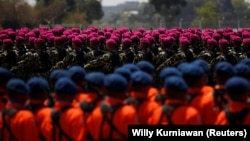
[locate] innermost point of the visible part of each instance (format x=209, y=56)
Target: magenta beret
x=7, y=41
x=111, y=42
x=212, y=41
x=77, y=41
x=126, y=41
x=224, y=42
x=39, y=41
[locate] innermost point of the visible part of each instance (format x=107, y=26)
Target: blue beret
x=245, y=61
x=224, y=68
x=182, y=66
x=5, y=75
x=123, y=72
x=192, y=70
x=242, y=70
x=57, y=73
x=141, y=78
x=65, y=85
x=131, y=67
x=115, y=82
x=203, y=64
x=237, y=85
x=37, y=85
x=77, y=73
x=175, y=83
x=17, y=86
x=95, y=78
x=146, y=66
x=169, y=71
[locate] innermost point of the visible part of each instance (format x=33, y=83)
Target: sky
x=104, y=2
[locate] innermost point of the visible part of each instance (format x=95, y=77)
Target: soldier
x=95, y=50
x=225, y=54
x=108, y=61
x=183, y=55
x=127, y=55
x=8, y=57
x=166, y=52
x=144, y=52
x=209, y=51
x=20, y=46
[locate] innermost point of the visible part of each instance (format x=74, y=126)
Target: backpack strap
x=167, y=110
x=136, y=101
x=88, y=106
x=219, y=98
x=55, y=115
x=236, y=118
x=160, y=98
x=105, y=109
x=8, y=112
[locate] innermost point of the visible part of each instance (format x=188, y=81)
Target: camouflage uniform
x=57, y=55
x=105, y=63
x=93, y=54
x=146, y=55
x=206, y=55
x=162, y=56
x=127, y=56
x=8, y=59
x=176, y=59
x=228, y=56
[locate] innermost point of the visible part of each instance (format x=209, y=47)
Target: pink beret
x=212, y=41
x=194, y=37
x=101, y=38
x=32, y=39
x=126, y=41
x=111, y=42
x=39, y=41
x=58, y=39
x=167, y=40
x=20, y=39
x=77, y=41
x=3, y=36
x=224, y=42
x=135, y=38
x=7, y=41
x=236, y=39
x=246, y=41
x=144, y=41
x=216, y=36
x=94, y=40
x=184, y=41
x=245, y=34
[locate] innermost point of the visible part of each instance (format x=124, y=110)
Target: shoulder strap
x=167, y=111
x=105, y=109
x=219, y=98
x=55, y=115
x=136, y=101
x=236, y=118
x=9, y=112
x=160, y=98
x=88, y=106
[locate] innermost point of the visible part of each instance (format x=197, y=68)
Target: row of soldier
x=36, y=52
x=79, y=105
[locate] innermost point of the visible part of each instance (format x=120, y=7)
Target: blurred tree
x=207, y=14
x=15, y=14
x=93, y=9
x=78, y=18
x=168, y=9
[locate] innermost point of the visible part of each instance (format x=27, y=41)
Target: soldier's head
x=236, y=41
x=175, y=87
x=19, y=41
x=204, y=65
x=17, y=91
x=222, y=72
x=168, y=72
x=7, y=44
x=58, y=42
x=246, y=44
x=76, y=43
x=65, y=89
x=5, y=76
x=147, y=67
x=31, y=42
x=94, y=43
x=141, y=81
x=39, y=43
x=212, y=44
x=77, y=75
x=116, y=86
x=144, y=43
x=238, y=89
x=194, y=75
x=111, y=45
x=39, y=88
x=223, y=45
x=95, y=83
x=242, y=70
x=184, y=43
x=126, y=73
x=126, y=43
x=166, y=42
x=55, y=75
